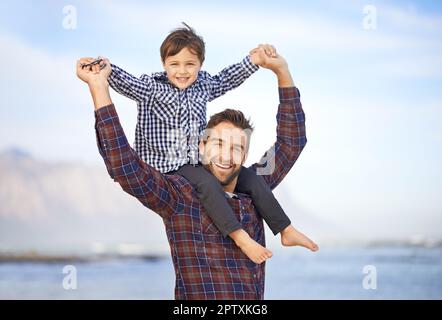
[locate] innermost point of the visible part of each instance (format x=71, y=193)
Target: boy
x=171, y=118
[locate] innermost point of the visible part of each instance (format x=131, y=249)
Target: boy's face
x=182, y=69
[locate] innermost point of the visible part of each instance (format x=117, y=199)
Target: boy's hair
x=235, y=117
x=180, y=38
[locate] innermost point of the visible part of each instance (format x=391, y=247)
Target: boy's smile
x=182, y=69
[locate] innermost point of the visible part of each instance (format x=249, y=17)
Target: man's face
x=182, y=69
x=224, y=152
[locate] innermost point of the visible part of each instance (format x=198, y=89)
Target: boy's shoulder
x=161, y=76
x=202, y=82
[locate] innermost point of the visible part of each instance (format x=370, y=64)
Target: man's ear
x=202, y=147
x=245, y=157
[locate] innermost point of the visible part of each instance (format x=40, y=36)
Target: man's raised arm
x=290, y=133
x=137, y=178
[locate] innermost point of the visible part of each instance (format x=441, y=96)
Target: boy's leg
x=212, y=198
x=263, y=199
x=251, y=183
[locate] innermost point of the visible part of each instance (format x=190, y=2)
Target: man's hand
x=257, y=54
x=93, y=74
x=96, y=78
x=266, y=57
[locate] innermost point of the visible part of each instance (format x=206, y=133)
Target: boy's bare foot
x=292, y=237
x=252, y=249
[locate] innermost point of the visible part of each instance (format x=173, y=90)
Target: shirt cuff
x=105, y=115
x=288, y=94
x=116, y=75
x=113, y=73
x=248, y=65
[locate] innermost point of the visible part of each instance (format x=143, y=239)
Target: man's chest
x=192, y=223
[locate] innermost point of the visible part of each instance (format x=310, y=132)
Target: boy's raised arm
x=231, y=77
x=134, y=88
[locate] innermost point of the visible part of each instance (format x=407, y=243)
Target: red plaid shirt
x=207, y=265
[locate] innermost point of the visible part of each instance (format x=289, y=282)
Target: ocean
x=331, y=273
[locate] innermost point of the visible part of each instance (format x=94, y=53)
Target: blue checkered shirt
x=171, y=121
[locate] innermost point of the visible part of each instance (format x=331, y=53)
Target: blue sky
x=372, y=97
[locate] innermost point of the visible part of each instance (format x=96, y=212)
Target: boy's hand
x=95, y=73
x=266, y=56
x=268, y=49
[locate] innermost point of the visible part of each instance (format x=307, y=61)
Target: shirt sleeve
x=231, y=77
x=290, y=139
x=134, y=88
x=152, y=188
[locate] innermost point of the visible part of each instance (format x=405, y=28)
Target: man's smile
x=221, y=166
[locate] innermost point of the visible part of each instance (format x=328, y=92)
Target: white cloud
x=339, y=174
x=304, y=29
x=409, y=19
x=44, y=107
x=405, y=43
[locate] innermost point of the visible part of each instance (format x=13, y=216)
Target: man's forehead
x=226, y=133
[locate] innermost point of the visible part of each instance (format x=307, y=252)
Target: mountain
x=61, y=207
x=75, y=208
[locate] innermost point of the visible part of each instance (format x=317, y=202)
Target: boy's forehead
x=185, y=53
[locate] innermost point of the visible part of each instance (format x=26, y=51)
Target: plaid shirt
x=207, y=264
x=170, y=120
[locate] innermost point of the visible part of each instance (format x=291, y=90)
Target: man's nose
x=226, y=155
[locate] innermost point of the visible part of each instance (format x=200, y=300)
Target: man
x=207, y=264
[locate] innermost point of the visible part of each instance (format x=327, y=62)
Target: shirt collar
x=162, y=76
x=231, y=195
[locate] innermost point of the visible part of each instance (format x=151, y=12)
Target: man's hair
x=235, y=117
x=180, y=38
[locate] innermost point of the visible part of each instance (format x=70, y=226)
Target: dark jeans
x=213, y=198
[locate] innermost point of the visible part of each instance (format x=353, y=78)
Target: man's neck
x=231, y=186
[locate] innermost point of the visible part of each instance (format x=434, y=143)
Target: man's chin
x=225, y=178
